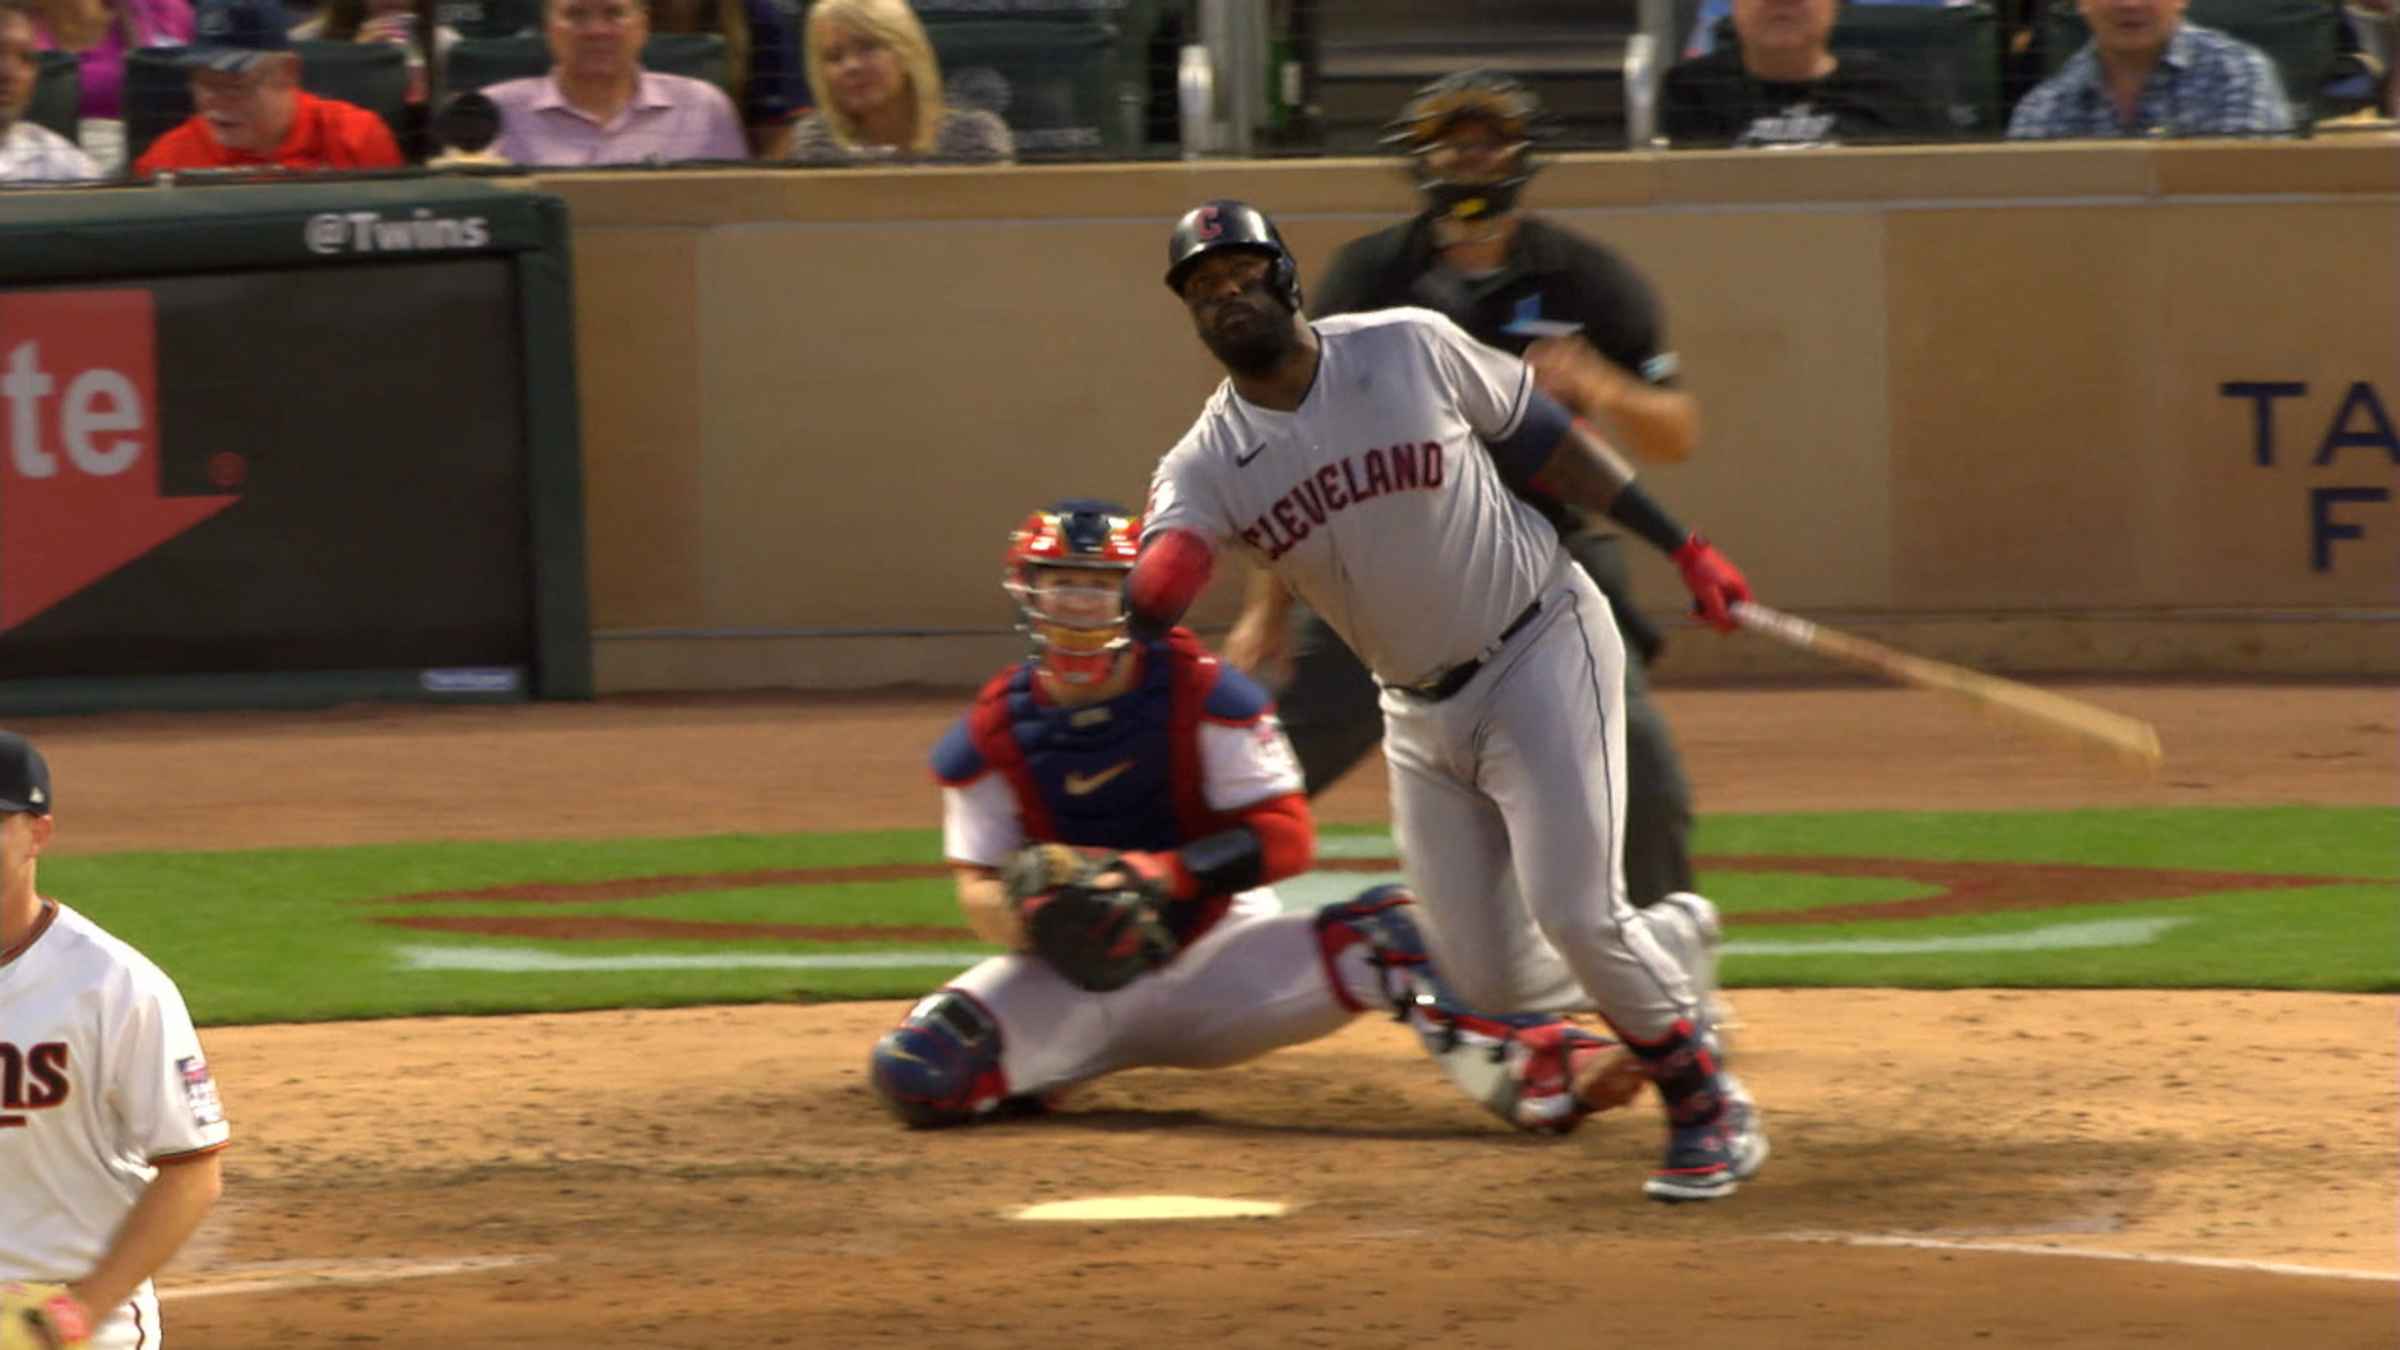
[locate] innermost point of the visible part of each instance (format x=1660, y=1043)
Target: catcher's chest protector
x=1124, y=774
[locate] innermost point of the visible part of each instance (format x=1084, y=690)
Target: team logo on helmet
x=1225, y=224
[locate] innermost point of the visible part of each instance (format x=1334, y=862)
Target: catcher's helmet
x=1076, y=630
x=1215, y=226
x=1500, y=102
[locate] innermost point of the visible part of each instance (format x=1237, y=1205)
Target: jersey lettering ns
x=32, y=1078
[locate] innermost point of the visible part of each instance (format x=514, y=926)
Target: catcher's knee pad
x=940, y=1066
x=1380, y=918
x=1519, y=1066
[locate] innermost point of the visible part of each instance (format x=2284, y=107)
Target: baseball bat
x=2130, y=738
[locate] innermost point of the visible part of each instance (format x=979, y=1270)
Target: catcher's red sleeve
x=1286, y=840
x=1287, y=836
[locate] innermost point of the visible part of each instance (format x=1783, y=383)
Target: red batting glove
x=1713, y=580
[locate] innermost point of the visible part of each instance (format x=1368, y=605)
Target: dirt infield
x=719, y=1177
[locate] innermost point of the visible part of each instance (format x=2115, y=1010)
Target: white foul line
x=532, y=961
x=271, y=1276
x=2032, y=1249
x=2052, y=938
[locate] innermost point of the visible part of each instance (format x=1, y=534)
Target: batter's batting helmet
x=1496, y=100
x=1213, y=227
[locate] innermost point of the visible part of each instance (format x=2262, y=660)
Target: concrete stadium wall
x=2077, y=408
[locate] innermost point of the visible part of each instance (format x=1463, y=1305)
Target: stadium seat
x=1056, y=81
x=2300, y=36
x=1955, y=48
x=57, y=92
x=491, y=18
x=1132, y=65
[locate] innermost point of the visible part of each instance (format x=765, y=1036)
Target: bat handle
x=1774, y=623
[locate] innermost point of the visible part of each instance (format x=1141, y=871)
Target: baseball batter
x=109, y=1122
x=1367, y=460
x=1593, y=329
x=1155, y=750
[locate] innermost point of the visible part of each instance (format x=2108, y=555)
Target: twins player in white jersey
x=109, y=1122
x=1366, y=460
x=1172, y=762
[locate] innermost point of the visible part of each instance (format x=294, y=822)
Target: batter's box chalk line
x=2037, y=1249
x=263, y=1277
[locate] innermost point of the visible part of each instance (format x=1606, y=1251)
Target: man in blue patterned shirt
x=2148, y=73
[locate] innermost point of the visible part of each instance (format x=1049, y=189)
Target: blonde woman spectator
x=879, y=93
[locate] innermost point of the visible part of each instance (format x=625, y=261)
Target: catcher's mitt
x=42, y=1317
x=1096, y=920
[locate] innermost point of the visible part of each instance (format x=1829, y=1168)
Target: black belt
x=1455, y=678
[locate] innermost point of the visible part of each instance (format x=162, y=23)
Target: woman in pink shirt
x=101, y=32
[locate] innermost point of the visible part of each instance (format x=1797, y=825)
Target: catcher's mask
x=1066, y=570
x=1441, y=108
x=1214, y=227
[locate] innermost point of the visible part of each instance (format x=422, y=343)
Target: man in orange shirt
x=252, y=111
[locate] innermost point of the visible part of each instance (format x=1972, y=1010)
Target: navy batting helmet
x=1496, y=100
x=1219, y=225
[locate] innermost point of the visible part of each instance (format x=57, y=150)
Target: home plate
x=1120, y=1208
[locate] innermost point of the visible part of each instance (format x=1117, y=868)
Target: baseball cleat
x=1708, y=1161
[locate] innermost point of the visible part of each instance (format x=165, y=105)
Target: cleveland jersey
x=101, y=1080
x=1379, y=500
x=1175, y=758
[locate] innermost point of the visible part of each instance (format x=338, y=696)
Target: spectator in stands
x=599, y=106
x=2146, y=72
x=1782, y=85
x=392, y=21
x=1703, y=37
x=100, y=33
x=762, y=58
x=29, y=153
x=879, y=92
x=252, y=112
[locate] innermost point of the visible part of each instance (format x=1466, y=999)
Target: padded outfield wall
x=2079, y=408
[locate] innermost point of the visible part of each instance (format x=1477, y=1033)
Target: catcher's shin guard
x=1521, y=1067
x=940, y=1066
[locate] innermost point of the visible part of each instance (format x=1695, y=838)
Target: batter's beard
x=1255, y=352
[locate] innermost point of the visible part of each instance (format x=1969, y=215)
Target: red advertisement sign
x=80, y=489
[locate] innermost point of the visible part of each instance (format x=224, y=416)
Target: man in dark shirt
x=1782, y=85
x=1590, y=326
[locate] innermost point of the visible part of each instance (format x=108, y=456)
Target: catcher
x=1113, y=811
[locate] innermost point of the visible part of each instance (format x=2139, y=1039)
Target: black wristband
x=1640, y=513
x=1224, y=862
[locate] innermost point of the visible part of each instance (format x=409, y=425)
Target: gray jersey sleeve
x=1491, y=388
x=1183, y=494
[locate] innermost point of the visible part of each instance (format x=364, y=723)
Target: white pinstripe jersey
x=101, y=1076
x=1377, y=500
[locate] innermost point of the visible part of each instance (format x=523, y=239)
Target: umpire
x=1590, y=326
